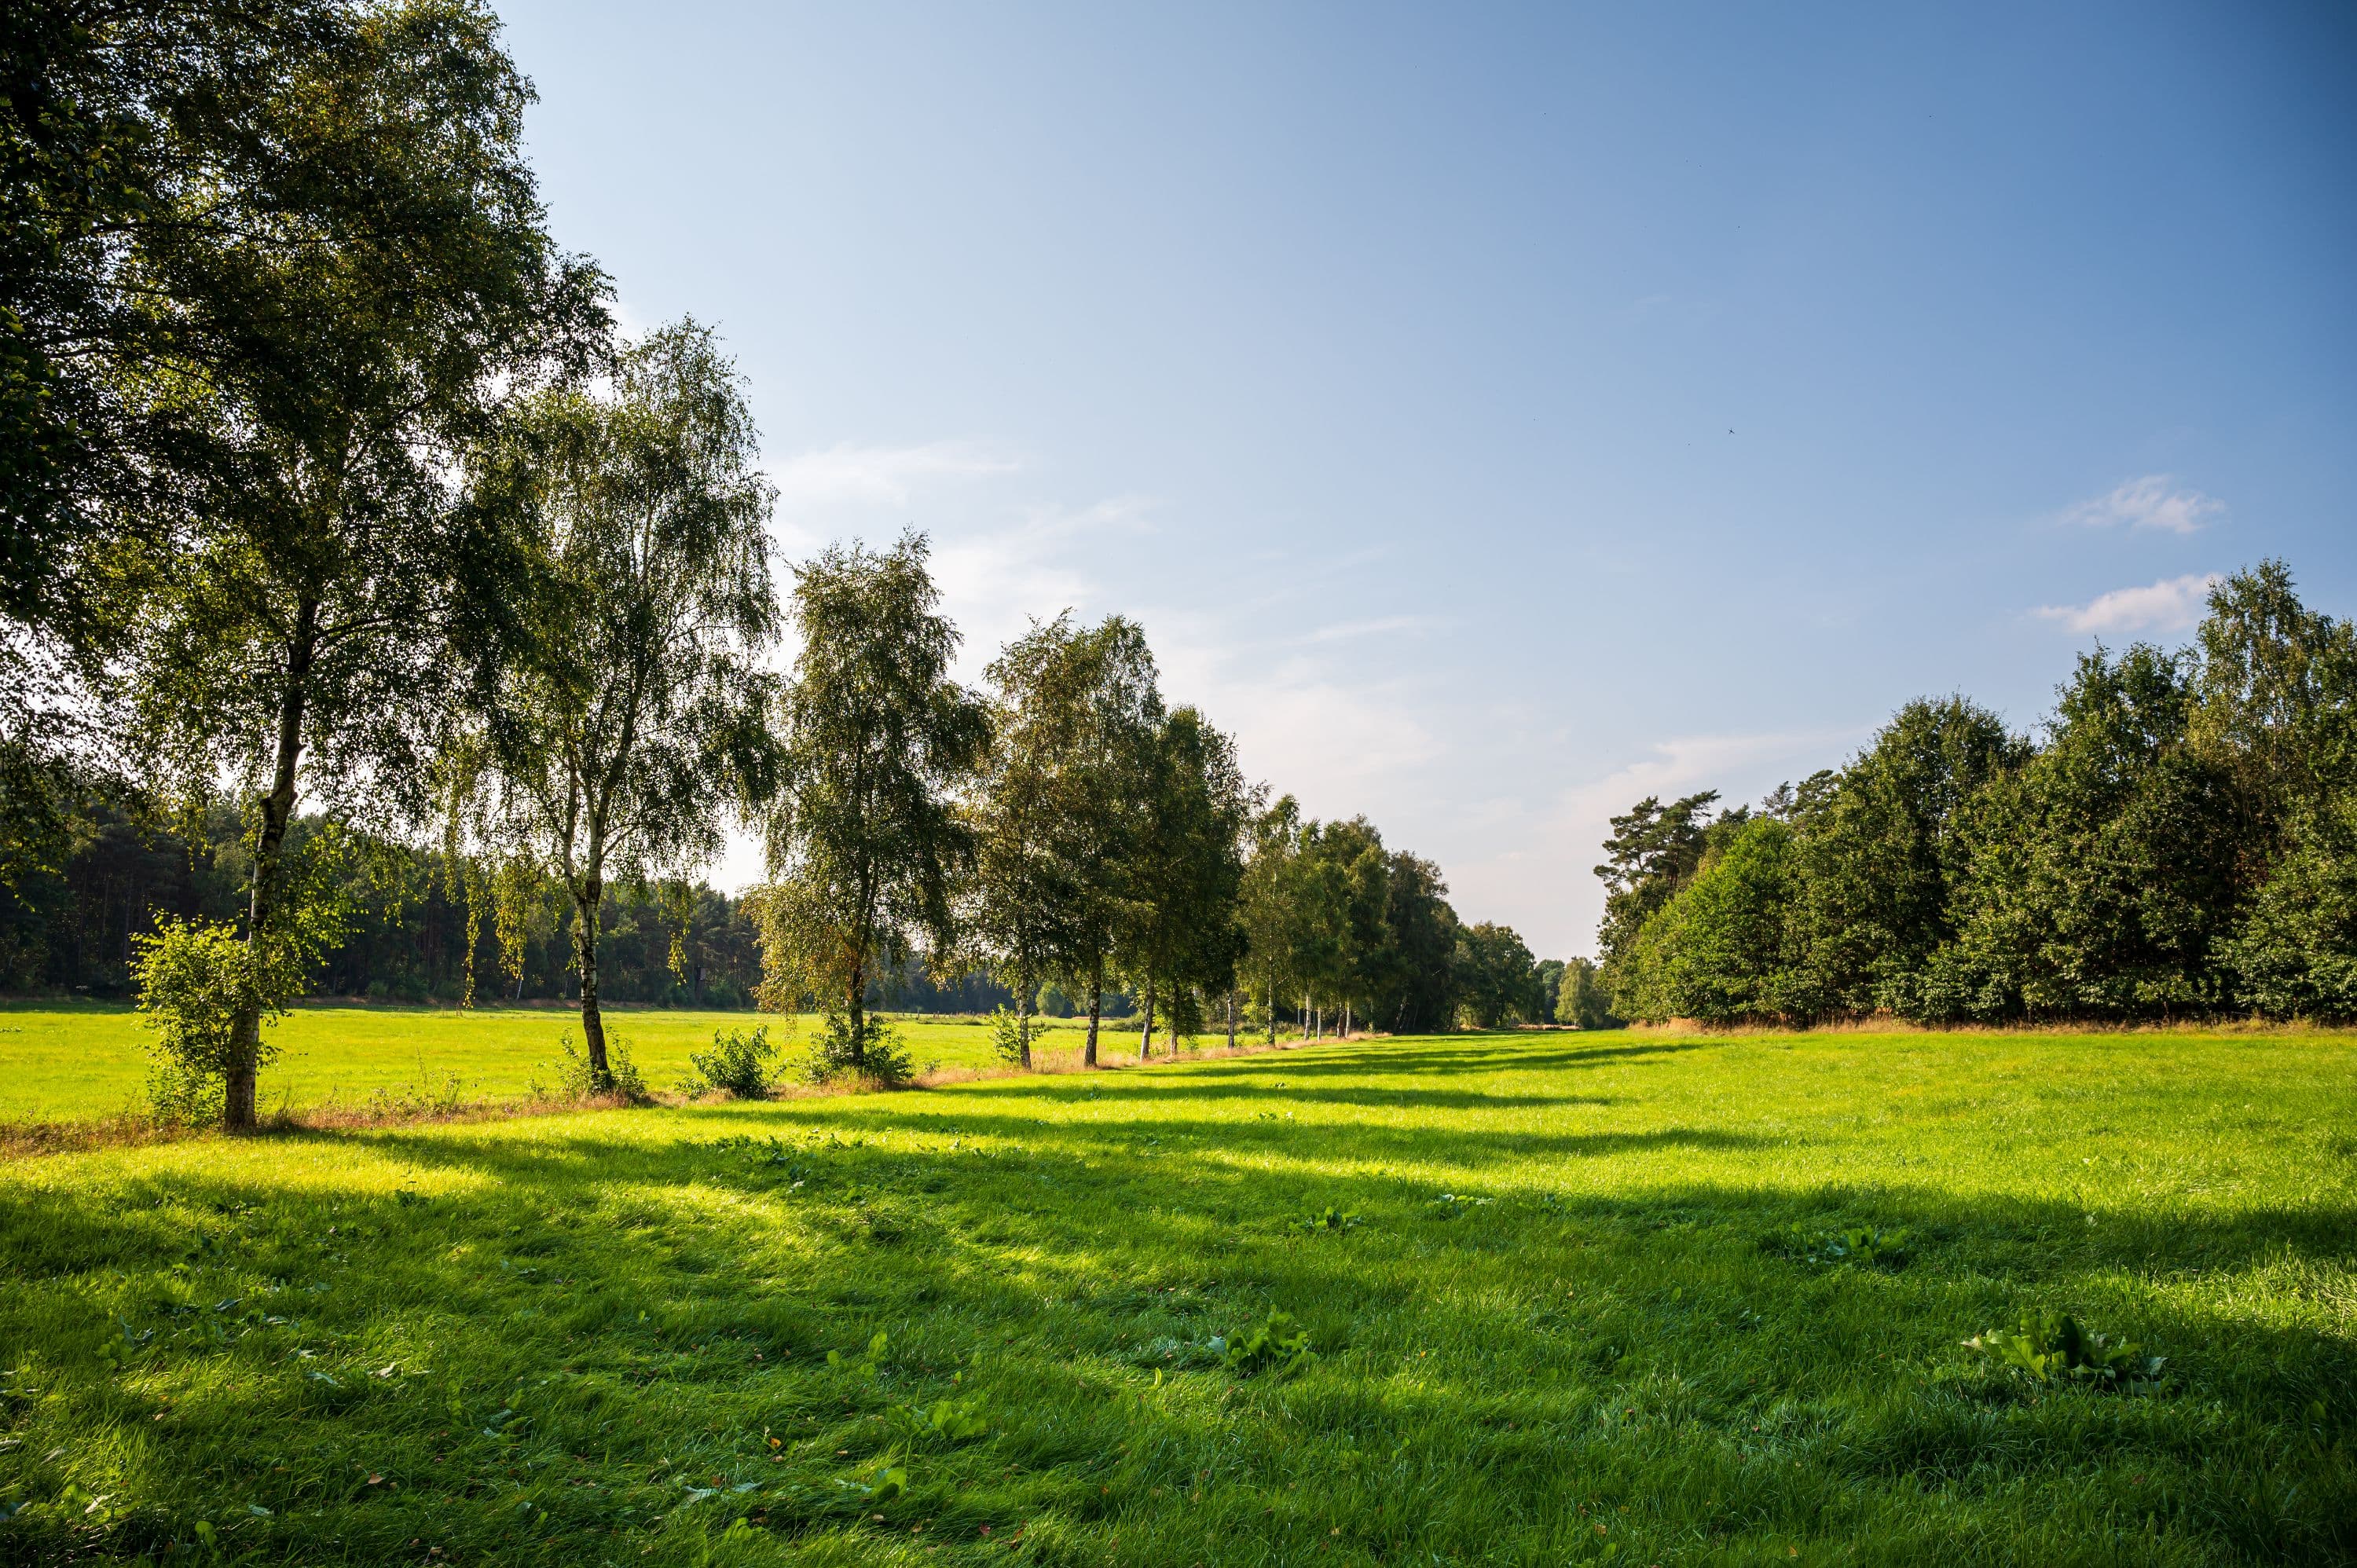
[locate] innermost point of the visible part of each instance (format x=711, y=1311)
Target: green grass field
x=1573, y=1309
x=88, y=1060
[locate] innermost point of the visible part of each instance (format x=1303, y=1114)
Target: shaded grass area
x=1566, y=1327
x=91, y=1059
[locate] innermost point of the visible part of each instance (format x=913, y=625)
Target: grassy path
x=1569, y=1323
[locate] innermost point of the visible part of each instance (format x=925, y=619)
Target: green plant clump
x=737, y=1064
x=2051, y=1347
x=1278, y=1346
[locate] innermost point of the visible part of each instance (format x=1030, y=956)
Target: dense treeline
x=75, y=928
x=2179, y=842
x=342, y=522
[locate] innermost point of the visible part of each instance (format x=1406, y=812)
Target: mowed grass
x=1558, y=1331
x=91, y=1059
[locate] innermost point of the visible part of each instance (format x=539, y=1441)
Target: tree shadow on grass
x=1048, y=1275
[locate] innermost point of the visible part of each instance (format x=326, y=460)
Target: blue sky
x=1497, y=415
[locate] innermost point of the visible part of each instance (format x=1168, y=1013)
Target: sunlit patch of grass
x=88, y=1061
x=1600, y=1303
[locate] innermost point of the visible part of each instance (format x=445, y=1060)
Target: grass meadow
x=91, y=1059
x=1563, y=1301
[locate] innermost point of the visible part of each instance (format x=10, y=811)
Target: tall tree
x=1654, y=850
x=124, y=124
x=1881, y=853
x=1104, y=769
x=1268, y=899
x=638, y=711
x=1423, y=932
x=866, y=844
x=1182, y=932
x=371, y=249
x=1026, y=832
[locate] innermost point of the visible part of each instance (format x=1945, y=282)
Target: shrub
x=575, y=1081
x=192, y=977
x=737, y=1064
x=1007, y=1034
x=875, y=1053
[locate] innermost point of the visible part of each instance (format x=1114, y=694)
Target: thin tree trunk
x=1346, y=1020
x=858, y=1008
x=1272, y=1010
x=1145, y=1034
x=1096, y=1010
x=262, y=907
x=1023, y=1019
x=1174, y=1029
x=1231, y=1017
x=588, y=905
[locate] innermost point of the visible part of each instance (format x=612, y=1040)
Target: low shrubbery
x=737, y=1064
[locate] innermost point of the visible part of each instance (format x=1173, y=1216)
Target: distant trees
x=2178, y=843
x=1499, y=981
x=866, y=845
x=1580, y=1001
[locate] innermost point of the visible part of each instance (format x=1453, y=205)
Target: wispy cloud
x=845, y=475
x=1341, y=631
x=2171, y=605
x=2156, y=500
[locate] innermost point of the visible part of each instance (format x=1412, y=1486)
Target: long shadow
x=1064, y=1090
x=1479, y=1055
x=962, y=1249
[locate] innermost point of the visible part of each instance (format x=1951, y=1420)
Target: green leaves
x=863, y=1366
x=1279, y=1347
x=1860, y=1246
x=1327, y=1218
x=2052, y=1348
x=952, y=1420
x=737, y=1064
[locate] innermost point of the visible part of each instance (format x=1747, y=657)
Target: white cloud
x=2171, y=605
x=2154, y=502
x=845, y=475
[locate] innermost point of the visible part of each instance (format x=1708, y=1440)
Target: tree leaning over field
x=375, y=262
x=637, y=712
x=865, y=844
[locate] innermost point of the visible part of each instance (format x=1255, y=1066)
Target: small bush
x=1006, y=1035
x=575, y=1080
x=874, y=1054
x=2051, y=1347
x=737, y=1064
x=192, y=976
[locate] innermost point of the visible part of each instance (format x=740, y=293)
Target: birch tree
x=639, y=716
x=368, y=263
x=867, y=846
